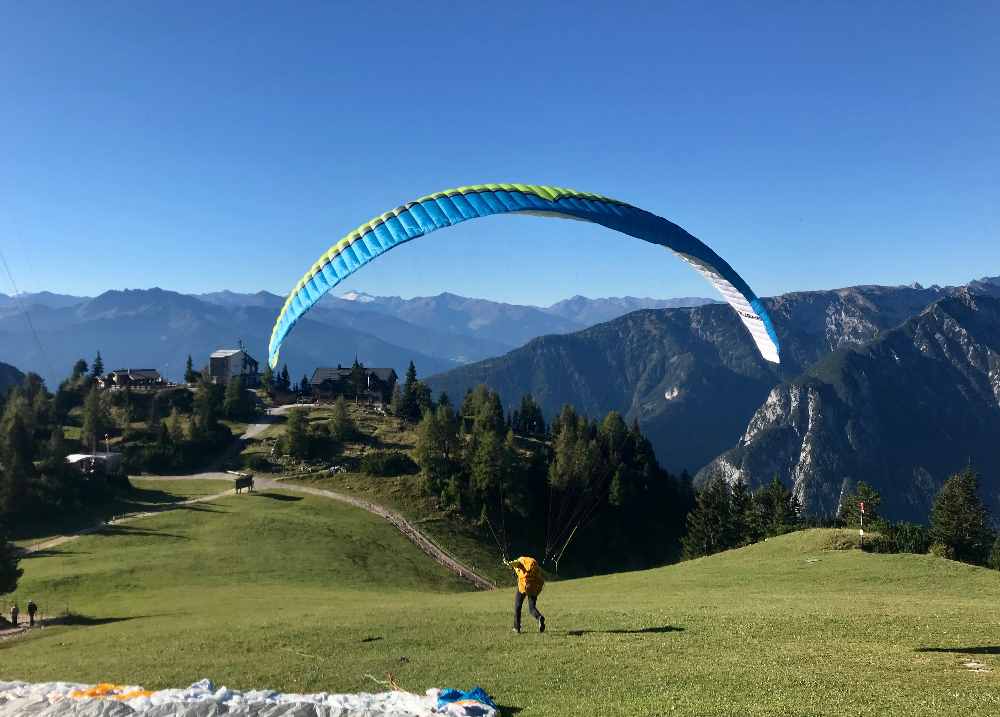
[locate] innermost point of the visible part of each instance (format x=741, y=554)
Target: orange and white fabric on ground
x=203, y=699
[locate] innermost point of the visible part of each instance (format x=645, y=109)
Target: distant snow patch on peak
x=358, y=296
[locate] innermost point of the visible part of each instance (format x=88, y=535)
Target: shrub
x=911, y=538
x=881, y=543
x=258, y=462
x=942, y=551
x=842, y=541
x=388, y=464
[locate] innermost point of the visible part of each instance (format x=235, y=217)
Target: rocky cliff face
x=901, y=412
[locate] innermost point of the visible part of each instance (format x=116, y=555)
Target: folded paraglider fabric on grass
x=474, y=699
x=203, y=699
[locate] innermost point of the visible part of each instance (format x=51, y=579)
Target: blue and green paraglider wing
x=445, y=209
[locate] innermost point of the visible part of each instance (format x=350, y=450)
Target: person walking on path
x=530, y=582
x=32, y=609
x=14, y=612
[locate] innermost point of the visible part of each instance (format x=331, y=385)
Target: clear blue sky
x=200, y=146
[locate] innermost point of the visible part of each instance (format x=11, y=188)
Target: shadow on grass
x=980, y=650
x=127, y=530
x=506, y=710
x=52, y=553
x=371, y=639
x=151, y=497
x=637, y=631
x=205, y=507
x=279, y=496
x=88, y=621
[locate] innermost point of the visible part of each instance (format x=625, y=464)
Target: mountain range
x=155, y=328
x=692, y=376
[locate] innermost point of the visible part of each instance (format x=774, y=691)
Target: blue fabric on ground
x=477, y=694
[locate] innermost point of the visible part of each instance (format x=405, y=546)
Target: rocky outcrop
x=900, y=412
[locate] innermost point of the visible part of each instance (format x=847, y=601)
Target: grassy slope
x=402, y=494
x=307, y=595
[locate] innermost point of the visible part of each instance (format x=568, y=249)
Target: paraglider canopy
x=453, y=206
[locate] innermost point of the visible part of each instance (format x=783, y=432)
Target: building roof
x=228, y=353
x=144, y=372
x=329, y=374
x=344, y=372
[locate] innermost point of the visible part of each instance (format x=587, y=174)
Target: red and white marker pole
x=862, y=530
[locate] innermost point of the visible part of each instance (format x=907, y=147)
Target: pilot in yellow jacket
x=530, y=582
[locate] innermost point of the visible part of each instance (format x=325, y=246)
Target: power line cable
x=24, y=312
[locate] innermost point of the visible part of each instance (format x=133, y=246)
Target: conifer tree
x=742, y=511
x=9, y=571
x=97, y=368
x=850, y=510
x=409, y=403
x=341, y=425
x=96, y=420
x=190, y=375
x=396, y=403
x=16, y=455
x=710, y=524
x=79, y=369
x=776, y=508
x=297, y=433
x=358, y=379
x=959, y=520
x=234, y=403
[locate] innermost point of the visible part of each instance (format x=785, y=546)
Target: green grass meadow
x=304, y=594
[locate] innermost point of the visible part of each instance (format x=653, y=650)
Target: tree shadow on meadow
x=637, y=631
x=88, y=621
x=52, y=553
x=279, y=496
x=976, y=650
x=205, y=507
x=127, y=530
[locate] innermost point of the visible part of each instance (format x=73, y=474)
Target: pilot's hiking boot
x=541, y=624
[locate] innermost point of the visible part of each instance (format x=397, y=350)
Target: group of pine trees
x=281, y=382
x=35, y=479
x=597, y=484
x=731, y=515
